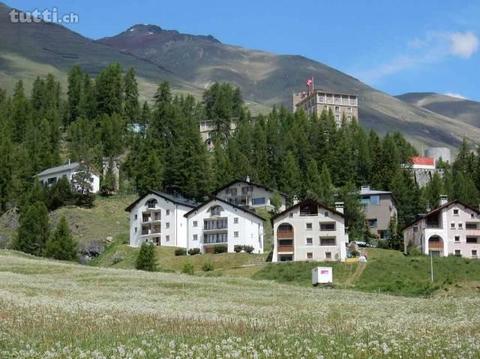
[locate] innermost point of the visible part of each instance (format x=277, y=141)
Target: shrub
x=220, y=248
x=248, y=249
x=238, y=248
x=180, y=251
x=193, y=251
x=146, y=258
x=117, y=258
x=188, y=268
x=207, y=266
x=355, y=253
x=61, y=244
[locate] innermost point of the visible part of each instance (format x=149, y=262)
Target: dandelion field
x=56, y=310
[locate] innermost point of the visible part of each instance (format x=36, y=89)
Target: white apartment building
x=158, y=218
x=220, y=222
x=451, y=229
x=245, y=193
x=52, y=175
x=309, y=230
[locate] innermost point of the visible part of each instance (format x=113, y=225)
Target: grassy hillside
x=106, y=219
x=54, y=309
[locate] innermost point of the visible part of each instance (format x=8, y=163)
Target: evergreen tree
x=327, y=190
x=33, y=230
x=61, y=244
x=354, y=215
x=109, y=90
x=146, y=258
x=291, y=182
x=75, y=79
x=132, y=106
x=433, y=191
x=408, y=198
x=60, y=194
x=20, y=113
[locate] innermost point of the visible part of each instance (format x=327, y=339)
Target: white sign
x=322, y=275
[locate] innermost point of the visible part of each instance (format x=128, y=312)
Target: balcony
x=285, y=235
x=285, y=248
x=435, y=245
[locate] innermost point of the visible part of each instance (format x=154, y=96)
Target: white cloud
x=432, y=48
x=456, y=95
x=463, y=44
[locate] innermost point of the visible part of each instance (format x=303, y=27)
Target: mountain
x=191, y=63
x=462, y=109
x=271, y=79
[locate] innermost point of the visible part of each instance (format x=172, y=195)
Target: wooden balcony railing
x=285, y=248
x=435, y=245
x=285, y=235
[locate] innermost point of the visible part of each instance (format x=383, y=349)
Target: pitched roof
x=177, y=199
x=223, y=201
x=366, y=191
x=62, y=168
x=439, y=209
x=246, y=182
x=305, y=201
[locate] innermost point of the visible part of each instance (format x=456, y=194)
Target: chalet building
x=50, y=176
x=314, y=101
x=158, y=218
x=207, y=130
x=309, y=230
x=451, y=229
x=245, y=193
x=423, y=168
x=379, y=208
x=220, y=222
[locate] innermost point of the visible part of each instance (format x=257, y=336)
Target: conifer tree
x=146, y=258
x=109, y=90
x=433, y=191
x=75, y=77
x=132, y=107
x=290, y=182
x=61, y=244
x=33, y=230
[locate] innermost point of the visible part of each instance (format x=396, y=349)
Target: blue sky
x=395, y=46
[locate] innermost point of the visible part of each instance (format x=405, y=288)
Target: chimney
x=247, y=179
x=443, y=199
x=365, y=188
x=339, y=207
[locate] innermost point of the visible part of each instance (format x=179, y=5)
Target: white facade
x=451, y=229
x=248, y=194
x=159, y=218
x=218, y=222
x=52, y=175
x=309, y=231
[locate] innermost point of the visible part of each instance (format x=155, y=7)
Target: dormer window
x=151, y=203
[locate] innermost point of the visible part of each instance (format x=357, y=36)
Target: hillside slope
x=466, y=111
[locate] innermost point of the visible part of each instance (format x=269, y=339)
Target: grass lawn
x=52, y=309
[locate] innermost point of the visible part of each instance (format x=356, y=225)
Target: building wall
x=249, y=228
x=301, y=233
x=257, y=192
x=173, y=225
x=383, y=212
x=69, y=174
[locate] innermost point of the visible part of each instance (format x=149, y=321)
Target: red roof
x=425, y=161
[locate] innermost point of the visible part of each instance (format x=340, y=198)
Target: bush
x=180, y=251
x=238, y=248
x=193, y=251
x=117, y=258
x=220, y=248
x=207, y=266
x=188, y=268
x=146, y=258
x=248, y=249
x=355, y=253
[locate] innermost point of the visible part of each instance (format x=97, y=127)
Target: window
x=415, y=229
x=470, y=225
x=455, y=212
x=472, y=240
x=52, y=180
x=375, y=200
x=452, y=225
x=309, y=241
x=290, y=214
x=327, y=241
x=151, y=203
x=135, y=229
x=327, y=226
x=308, y=226
x=136, y=216
x=235, y=234
x=457, y=238
x=258, y=201
x=309, y=209
x=167, y=225
x=235, y=220
x=168, y=212
x=326, y=214
x=328, y=255
x=460, y=226
x=474, y=253
x=195, y=237
x=309, y=255
x=167, y=238
x=458, y=252
x=216, y=210
x=372, y=223
x=195, y=223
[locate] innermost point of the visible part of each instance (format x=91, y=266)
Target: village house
x=309, y=230
x=245, y=193
x=379, y=208
x=451, y=229
x=217, y=221
x=158, y=218
x=50, y=176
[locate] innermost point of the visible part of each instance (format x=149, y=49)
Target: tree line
x=161, y=146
